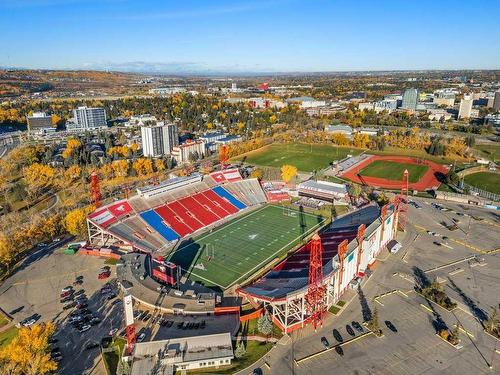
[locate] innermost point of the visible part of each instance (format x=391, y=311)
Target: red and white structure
x=129, y=323
x=296, y=292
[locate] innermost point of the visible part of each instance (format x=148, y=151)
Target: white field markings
x=259, y=265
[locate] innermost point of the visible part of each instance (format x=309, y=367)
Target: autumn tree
x=72, y=173
x=340, y=139
x=143, y=166
x=120, y=168
x=75, y=221
x=6, y=250
x=361, y=140
x=38, y=177
x=257, y=173
x=288, y=172
x=29, y=352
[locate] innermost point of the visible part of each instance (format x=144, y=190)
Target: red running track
x=428, y=180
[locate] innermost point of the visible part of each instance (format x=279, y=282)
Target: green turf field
x=393, y=171
x=245, y=245
x=305, y=157
x=484, y=180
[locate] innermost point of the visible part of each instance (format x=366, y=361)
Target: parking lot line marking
x=426, y=308
x=32, y=281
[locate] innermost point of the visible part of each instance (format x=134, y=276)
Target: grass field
x=490, y=150
x=393, y=171
x=245, y=245
x=7, y=336
x=484, y=180
x=305, y=157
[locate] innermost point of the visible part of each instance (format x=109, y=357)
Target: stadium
x=207, y=239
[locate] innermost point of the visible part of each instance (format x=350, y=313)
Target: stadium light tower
x=129, y=323
x=315, y=288
x=95, y=190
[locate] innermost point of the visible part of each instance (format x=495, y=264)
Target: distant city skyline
x=249, y=37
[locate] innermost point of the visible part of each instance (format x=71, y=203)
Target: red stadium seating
x=187, y=217
x=173, y=221
x=219, y=211
x=201, y=213
x=221, y=202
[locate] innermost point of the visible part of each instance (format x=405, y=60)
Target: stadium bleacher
x=159, y=220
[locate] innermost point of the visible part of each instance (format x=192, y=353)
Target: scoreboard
x=163, y=271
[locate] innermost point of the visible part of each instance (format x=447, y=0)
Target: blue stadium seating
x=220, y=191
x=156, y=222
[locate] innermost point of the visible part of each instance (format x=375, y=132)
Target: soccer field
x=245, y=245
x=393, y=171
x=484, y=180
x=303, y=156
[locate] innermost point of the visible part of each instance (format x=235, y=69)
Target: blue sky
x=250, y=36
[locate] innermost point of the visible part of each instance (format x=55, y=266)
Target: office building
x=465, y=109
x=159, y=139
x=410, y=99
x=496, y=101
x=85, y=118
x=39, y=122
x=444, y=97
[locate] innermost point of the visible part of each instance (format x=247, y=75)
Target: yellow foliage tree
x=71, y=146
x=159, y=165
x=75, y=220
x=37, y=177
x=257, y=173
x=288, y=172
x=361, y=140
x=73, y=172
x=120, y=168
x=143, y=166
x=6, y=249
x=29, y=352
x=340, y=139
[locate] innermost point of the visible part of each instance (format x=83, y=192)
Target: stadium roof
x=325, y=186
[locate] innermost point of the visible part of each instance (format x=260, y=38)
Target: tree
x=75, y=221
x=29, y=352
x=143, y=167
x=361, y=140
x=373, y=324
x=288, y=172
x=264, y=324
x=72, y=173
x=454, y=336
x=492, y=324
x=257, y=173
x=38, y=177
x=159, y=165
x=120, y=168
x=240, y=350
x=340, y=139
x=6, y=250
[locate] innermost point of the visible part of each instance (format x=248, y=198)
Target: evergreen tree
x=264, y=324
x=240, y=350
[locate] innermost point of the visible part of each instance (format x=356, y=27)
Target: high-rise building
x=39, y=122
x=496, y=101
x=183, y=152
x=159, y=139
x=465, y=109
x=85, y=118
x=410, y=99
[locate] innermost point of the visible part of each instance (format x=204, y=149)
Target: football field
x=234, y=251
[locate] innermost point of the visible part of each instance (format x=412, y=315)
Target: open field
x=484, y=180
x=418, y=154
x=306, y=157
x=7, y=336
x=490, y=151
x=394, y=171
x=244, y=246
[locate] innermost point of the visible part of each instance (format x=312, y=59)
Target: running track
x=428, y=180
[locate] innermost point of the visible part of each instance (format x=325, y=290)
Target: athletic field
x=390, y=170
x=488, y=181
x=303, y=156
x=238, y=249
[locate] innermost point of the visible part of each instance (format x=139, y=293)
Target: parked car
x=113, y=331
x=104, y=275
x=69, y=305
x=67, y=289
x=357, y=326
x=67, y=293
x=66, y=299
x=325, y=342
x=28, y=322
x=84, y=328
x=111, y=296
x=91, y=345
x=81, y=305
x=141, y=337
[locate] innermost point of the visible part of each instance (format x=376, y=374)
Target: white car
x=141, y=337
x=86, y=327
x=113, y=331
x=67, y=289
x=394, y=246
x=28, y=322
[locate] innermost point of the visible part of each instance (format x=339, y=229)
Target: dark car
x=91, y=345
x=66, y=299
x=325, y=342
x=349, y=330
x=390, y=326
x=146, y=318
x=81, y=305
x=66, y=293
x=357, y=326
x=69, y=305
x=95, y=321
x=77, y=282
x=111, y=296
x=78, y=292
x=337, y=335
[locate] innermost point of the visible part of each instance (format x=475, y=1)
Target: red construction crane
x=95, y=190
x=315, y=301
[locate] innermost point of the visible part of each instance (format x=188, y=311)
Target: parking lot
x=465, y=261
x=36, y=290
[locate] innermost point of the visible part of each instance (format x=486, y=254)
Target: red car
x=66, y=294
x=103, y=275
